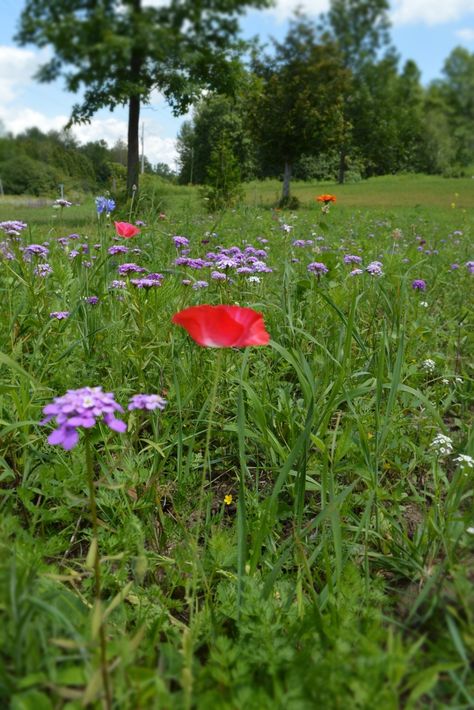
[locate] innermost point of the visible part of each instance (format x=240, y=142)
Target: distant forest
x=318, y=106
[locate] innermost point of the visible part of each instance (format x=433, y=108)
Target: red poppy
x=125, y=229
x=223, y=326
x=326, y=199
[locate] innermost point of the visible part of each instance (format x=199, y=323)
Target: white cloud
x=466, y=34
x=17, y=67
x=430, y=12
x=158, y=149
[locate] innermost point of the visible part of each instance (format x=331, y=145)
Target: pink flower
x=126, y=230
x=223, y=326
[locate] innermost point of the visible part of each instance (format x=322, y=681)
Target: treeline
x=35, y=163
x=330, y=102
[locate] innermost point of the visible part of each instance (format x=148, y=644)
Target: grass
x=340, y=574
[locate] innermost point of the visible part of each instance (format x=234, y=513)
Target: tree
x=360, y=28
x=296, y=106
x=121, y=51
x=457, y=90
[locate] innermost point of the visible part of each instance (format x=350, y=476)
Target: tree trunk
x=285, y=193
x=133, y=156
x=133, y=152
x=342, y=166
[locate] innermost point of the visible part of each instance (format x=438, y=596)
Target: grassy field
x=284, y=526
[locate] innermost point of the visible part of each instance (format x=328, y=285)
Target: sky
x=425, y=31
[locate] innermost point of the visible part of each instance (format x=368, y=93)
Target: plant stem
x=97, y=581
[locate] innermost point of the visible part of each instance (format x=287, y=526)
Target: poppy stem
x=96, y=567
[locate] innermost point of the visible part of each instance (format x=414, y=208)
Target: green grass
x=341, y=573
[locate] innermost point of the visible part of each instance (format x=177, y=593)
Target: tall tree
x=297, y=102
x=457, y=89
x=122, y=50
x=360, y=28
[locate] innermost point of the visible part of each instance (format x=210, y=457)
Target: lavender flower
x=42, y=270
x=375, y=268
x=92, y=300
x=116, y=283
x=35, y=250
x=13, y=227
x=81, y=408
x=352, y=259
x=200, y=284
x=146, y=401
x=356, y=272
x=61, y=202
x=418, y=285
x=317, y=267
x=470, y=266
x=117, y=249
x=180, y=241
x=130, y=268
x=59, y=315
x=145, y=282
x=218, y=276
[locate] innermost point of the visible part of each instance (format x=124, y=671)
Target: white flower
x=424, y=304
x=445, y=381
x=470, y=530
x=254, y=279
x=442, y=445
x=465, y=460
x=428, y=365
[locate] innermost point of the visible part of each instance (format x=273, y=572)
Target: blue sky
x=423, y=30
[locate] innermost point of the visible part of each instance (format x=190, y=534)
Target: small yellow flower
x=228, y=499
x=370, y=435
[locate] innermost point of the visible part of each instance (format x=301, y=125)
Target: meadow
x=285, y=525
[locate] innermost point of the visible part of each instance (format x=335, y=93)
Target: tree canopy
x=120, y=51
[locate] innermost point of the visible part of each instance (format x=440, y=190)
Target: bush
x=22, y=175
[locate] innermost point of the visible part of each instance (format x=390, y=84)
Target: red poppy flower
x=125, y=229
x=326, y=199
x=223, y=326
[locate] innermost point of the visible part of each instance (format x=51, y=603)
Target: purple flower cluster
x=318, y=268
x=302, y=242
x=130, y=268
x=148, y=281
x=146, y=401
x=180, y=241
x=375, y=268
x=34, y=250
x=117, y=249
x=81, y=408
x=92, y=300
x=418, y=285
x=352, y=259
x=13, y=227
x=61, y=202
x=470, y=266
x=243, y=261
x=42, y=270
x=59, y=315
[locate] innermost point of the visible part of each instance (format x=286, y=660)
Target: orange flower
x=326, y=199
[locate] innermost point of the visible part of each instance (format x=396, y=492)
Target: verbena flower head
x=418, y=285
x=13, y=227
x=35, y=250
x=470, y=266
x=81, y=408
x=59, y=315
x=317, y=267
x=146, y=401
x=180, y=241
x=442, y=445
x=130, y=268
x=104, y=204
x=42, y=270
x=117, y=249
x=375, y=268
x=61, y=202
x=352, y=259
x=92, y=300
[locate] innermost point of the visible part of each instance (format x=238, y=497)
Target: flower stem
x=97, y=580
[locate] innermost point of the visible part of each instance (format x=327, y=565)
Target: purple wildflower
x=470, y=266
x=356, y=272
x=35, y=250
x=454, y=267
x=375, y=268
x=218, y=276
x=81, y=408
x=61, y=202
x=352, y=259
x=116, y=283
x=180, y=241
x=13, y=227
x=43, y=270
x=130, y=268
x=92, y=300
x=318, y=268
x=200, y=284
x=117, y=249
x=418, y=285
x=146, y=401
x=59, y=315
x=145, y=282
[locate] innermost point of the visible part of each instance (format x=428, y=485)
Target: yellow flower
x=370, y=435
x=228, y=499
